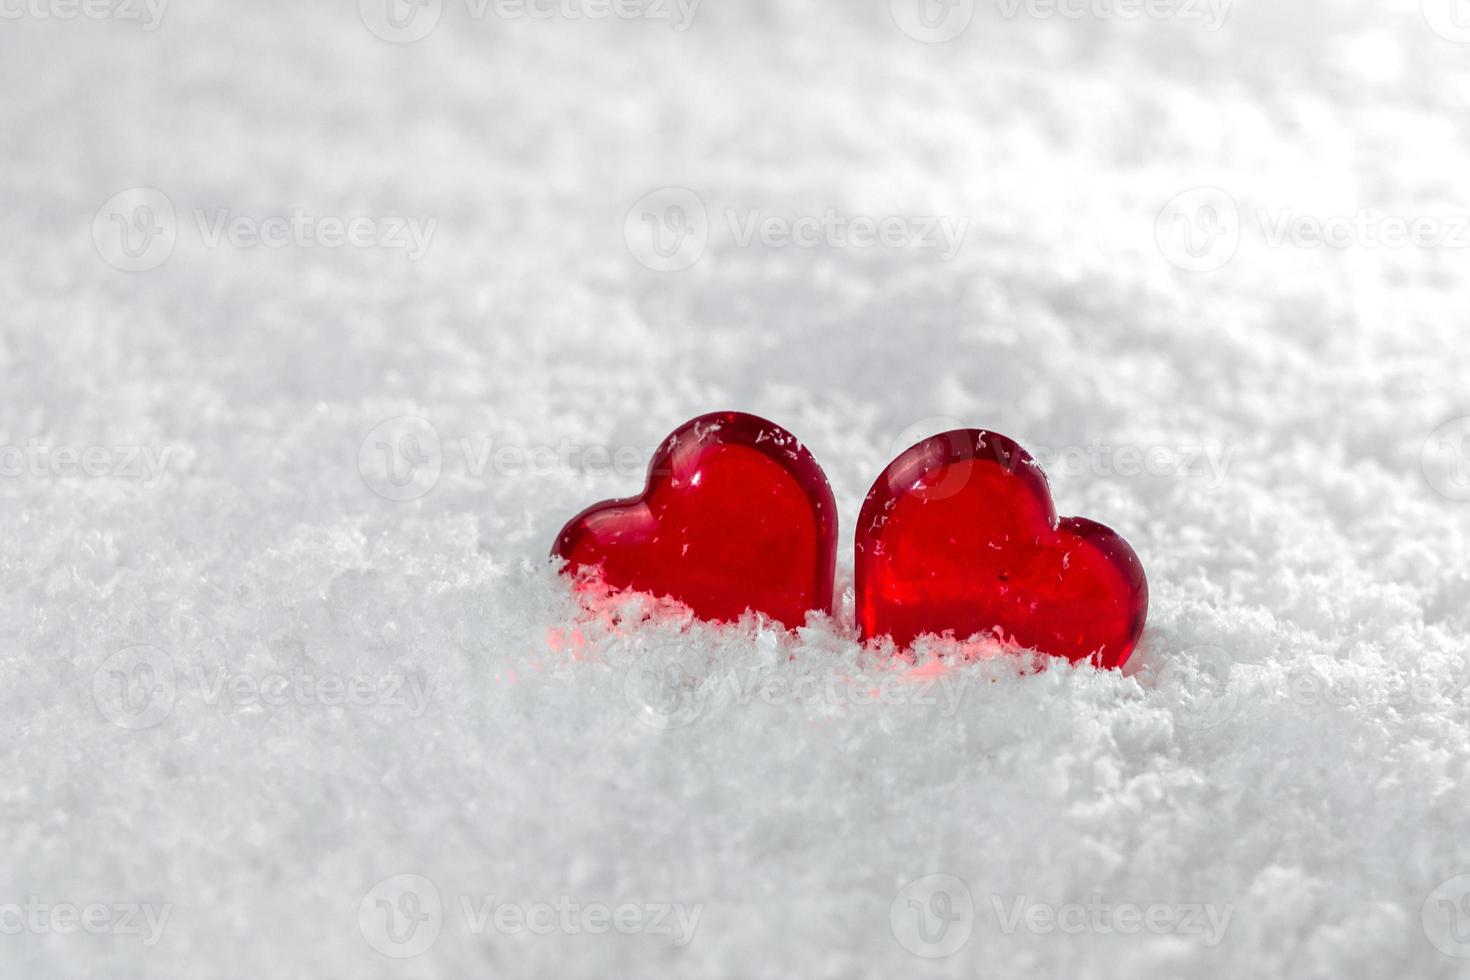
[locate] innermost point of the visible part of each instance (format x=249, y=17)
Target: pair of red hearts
x=958, y=535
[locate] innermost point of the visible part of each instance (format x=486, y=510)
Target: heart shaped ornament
x=959, y=535
x=736, y=515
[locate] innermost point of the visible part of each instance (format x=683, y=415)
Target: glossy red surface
x=959, y=535
x=736, y=515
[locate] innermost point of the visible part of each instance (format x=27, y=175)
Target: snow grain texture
x=248, y=686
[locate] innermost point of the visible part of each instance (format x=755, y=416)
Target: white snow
x=271, y=710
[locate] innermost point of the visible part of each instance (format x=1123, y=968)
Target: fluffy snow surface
x=318, y=324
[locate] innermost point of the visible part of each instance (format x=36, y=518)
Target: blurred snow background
x=283, y=666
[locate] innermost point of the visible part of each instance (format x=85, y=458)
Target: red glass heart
x=736, y=515
x=959, y=534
